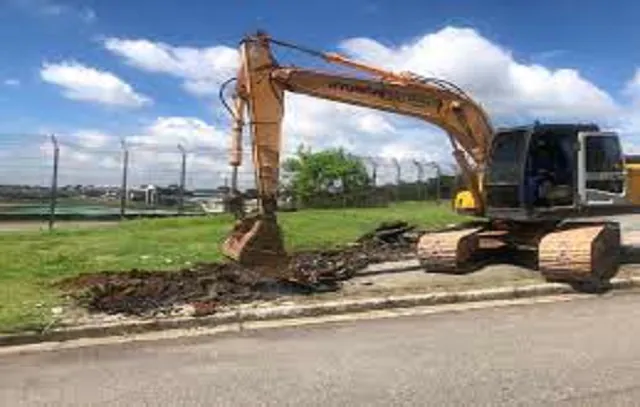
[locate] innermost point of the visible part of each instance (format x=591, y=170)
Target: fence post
x=435, y=165
x=54, y=181
x=438, y=184
x=374, y=181
x=355, y=199
x=124, y=186
x=374, y=171
x=396, y=163
x=420, y=177
x=456, y=182
x=233, y=192
x=183, y=175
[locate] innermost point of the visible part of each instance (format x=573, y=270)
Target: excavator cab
x=548, y=170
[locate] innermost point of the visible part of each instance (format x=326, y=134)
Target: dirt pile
x=388, y=242
x=206, y=286
x=141, y=292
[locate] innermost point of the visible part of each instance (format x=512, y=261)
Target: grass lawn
x=30, y=260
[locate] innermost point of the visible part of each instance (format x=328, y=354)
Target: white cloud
x=490, y=74
x=548, y=55
x=190, y=132
x=83, y=83
x=632, y=87
x=511, y=90
x=92, y=139
x=628, y=121
x=53, y=9
x=323, y=124
x=50, y=8
x=91, y=156
x=201, y=69
x=11, y=82
x=88, y=15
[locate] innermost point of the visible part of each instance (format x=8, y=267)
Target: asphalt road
x=581, y=353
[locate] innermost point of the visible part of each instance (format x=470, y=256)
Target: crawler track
x=580, y=253
x=574, y=253
x=449, y=251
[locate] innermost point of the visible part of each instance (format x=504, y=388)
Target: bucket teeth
x=450, y=251
x=584, y=253
x=257, y=242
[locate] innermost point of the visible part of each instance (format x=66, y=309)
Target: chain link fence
x=60, y=178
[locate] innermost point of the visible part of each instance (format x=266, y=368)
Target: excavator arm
x=260, y=89
x=459, y=117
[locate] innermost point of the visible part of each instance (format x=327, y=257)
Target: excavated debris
x=206, y=286
x=390, y=241
x=142, y=292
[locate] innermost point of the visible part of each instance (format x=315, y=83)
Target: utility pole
x=123, y=186
x=54, y=181
x=183, y=175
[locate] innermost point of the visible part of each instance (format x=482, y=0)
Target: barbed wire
x=115, y=145
x=122, y=176
x=150, y=164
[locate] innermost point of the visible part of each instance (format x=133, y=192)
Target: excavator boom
x=260, y=88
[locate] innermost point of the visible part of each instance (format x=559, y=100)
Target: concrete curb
x=304, y=310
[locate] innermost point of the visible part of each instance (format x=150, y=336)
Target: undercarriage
x=584, y=254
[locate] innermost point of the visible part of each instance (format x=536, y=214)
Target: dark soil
x=139, y=292
x=206, y=286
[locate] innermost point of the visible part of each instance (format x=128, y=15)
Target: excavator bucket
x=256, y=241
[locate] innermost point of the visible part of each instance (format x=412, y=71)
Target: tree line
x=334, y=178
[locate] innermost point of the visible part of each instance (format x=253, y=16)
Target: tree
x=325, y=174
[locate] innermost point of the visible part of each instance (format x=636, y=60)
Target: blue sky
x=597, y=41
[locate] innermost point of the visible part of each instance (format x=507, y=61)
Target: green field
x=31, y=260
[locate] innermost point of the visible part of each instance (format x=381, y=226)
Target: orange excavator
x=526, y=185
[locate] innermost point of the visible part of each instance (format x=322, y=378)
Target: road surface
x=579, y=353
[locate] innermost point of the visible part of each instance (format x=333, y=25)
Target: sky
x=96, y=72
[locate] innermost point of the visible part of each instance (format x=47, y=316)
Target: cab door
x=601, y=170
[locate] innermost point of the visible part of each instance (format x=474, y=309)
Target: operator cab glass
x=508, y=149
x=602, y=175
x=536, y=171
x=549, y=173
x=603, y=156
x=504, y=171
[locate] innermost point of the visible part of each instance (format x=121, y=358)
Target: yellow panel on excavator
x=464, y=203
x=633, y=183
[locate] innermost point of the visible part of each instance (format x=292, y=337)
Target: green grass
x=31, y=260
